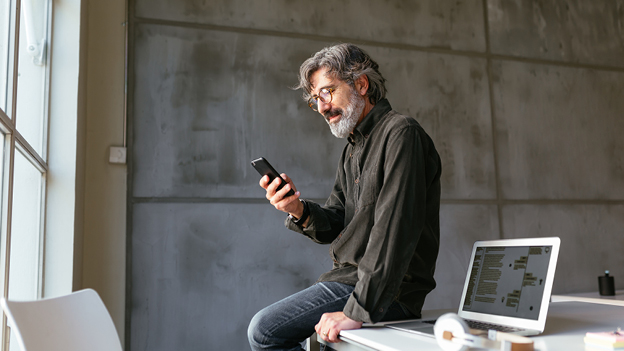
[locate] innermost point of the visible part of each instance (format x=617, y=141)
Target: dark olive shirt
x=382, y=217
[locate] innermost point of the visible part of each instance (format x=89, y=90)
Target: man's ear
x=361, y=85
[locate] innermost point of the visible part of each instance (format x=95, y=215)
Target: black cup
x=606, y=285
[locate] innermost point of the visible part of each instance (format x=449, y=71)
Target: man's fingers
x=278, y=198
x=289, y=181
x=319, y=329
x=264, y=182
x=280, y=195
x=286, y=204
x=284, y=190
x=274, y=184
x=332, y=335
x=322, y=329
x=332, y=323
x=272, y=188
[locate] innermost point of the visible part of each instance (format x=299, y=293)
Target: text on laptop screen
x=508, y=281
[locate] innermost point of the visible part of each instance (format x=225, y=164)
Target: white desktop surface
x=592, y=297
x=566, y=326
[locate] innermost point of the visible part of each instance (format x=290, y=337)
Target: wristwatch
x=304, y=216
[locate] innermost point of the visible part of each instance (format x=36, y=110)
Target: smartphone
x=264, y=168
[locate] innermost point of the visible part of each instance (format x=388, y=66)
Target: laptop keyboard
x=483, y=326
x=488, y=326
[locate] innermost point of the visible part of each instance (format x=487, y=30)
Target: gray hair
x=346, y=62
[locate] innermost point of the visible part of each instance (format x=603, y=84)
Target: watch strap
x=304, y=216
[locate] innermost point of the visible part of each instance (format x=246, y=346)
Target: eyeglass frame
x=313, y=100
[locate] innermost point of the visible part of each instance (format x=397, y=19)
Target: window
x=24, y=77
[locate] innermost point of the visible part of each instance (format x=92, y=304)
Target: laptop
x=507, y=287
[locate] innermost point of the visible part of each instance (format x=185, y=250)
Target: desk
x=592, y=297
x=566, y=326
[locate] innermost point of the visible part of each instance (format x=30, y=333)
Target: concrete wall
x=523, y=100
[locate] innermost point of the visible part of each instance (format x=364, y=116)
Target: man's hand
x=290, y=204
x=332, y=323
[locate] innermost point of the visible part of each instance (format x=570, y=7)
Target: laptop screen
x=508, y=281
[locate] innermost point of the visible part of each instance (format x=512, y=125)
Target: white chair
x=74, y=322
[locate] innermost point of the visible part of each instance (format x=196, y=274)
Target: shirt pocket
x=370, y=185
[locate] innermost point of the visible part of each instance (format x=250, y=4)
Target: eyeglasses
x=325, y=95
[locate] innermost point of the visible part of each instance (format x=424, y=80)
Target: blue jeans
x=287, y=323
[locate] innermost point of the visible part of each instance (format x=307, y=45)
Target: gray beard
x=349, y=117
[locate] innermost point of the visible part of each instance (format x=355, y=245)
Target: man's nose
x=323, y=107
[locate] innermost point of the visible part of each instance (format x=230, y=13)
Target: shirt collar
x=370, y=121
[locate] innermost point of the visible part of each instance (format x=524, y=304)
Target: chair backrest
x=74, y=322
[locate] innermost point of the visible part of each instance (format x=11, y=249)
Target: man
x=381, y=219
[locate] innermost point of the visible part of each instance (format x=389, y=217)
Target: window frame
x=13, y=142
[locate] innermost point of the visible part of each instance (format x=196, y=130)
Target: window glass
x=32, y=68
x=4, y=165
x=7, y=37
x=25, y=243
x=3, y=180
